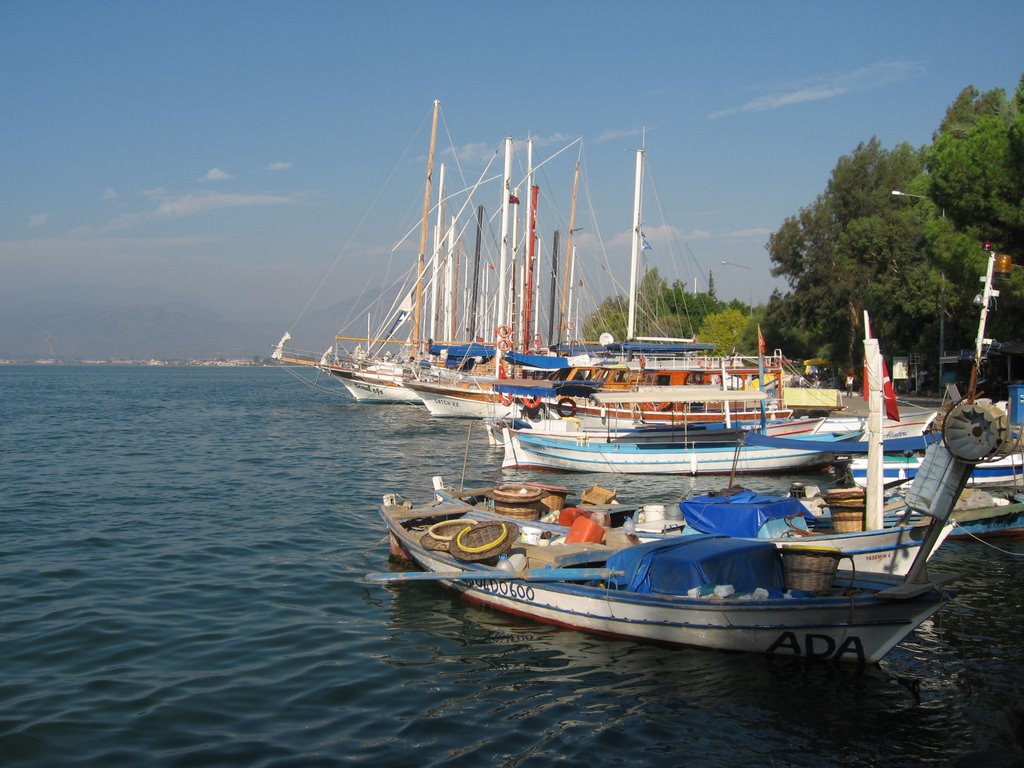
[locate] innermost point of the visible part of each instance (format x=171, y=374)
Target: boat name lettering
x=367, y=388
x=450, y=403
x=514, y=589
x=818, y=646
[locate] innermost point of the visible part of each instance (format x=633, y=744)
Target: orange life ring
x=566, y=408
x=704, y=362
x=505, y=399
x=504, y=345
x=504, y=331
x=531, y=403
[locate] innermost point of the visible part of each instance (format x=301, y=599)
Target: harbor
x=187, y=560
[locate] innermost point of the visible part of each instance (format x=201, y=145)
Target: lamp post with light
x=750, y=279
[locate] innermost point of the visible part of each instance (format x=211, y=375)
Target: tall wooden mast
x=421, y=261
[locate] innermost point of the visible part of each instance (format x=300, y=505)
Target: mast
x=570, y=253
x=436, y=265
x=552, y=329
x=531, y=247
x=873, y=494
x=420, y=262
x=471, y=315
x=506, y=192
x=635, y=260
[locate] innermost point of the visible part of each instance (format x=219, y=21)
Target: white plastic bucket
x=653, y=512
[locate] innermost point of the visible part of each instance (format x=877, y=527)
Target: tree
x=723, y=330
x=976, y=175
x=852, y=250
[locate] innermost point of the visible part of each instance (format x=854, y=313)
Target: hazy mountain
x=98, y=329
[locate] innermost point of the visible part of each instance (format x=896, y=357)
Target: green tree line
x=912, y=261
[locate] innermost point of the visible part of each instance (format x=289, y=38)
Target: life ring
x=566, y=408
x=504, y=344
x=704, y=362
x=505, y=399
x=504, y=331
x=531, y=403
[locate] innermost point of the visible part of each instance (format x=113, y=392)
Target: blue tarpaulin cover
x=739, y=514
x=550, y=388
x=547, y=362
x=675, y=565
x=462, y=351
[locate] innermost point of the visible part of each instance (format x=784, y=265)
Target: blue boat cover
x=547, y=362
x=458, y=352
x=740, y=514
x=550, y=388
x=841, y=442
x=674, y=565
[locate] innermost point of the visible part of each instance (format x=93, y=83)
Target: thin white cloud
x=476, y=153
x=109, y=193
x=216, y=174
x=37, y=220
x=876, y=75
x=186, y=206
x=614, y=134
x=279, y=166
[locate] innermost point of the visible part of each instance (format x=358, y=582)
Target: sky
x=268, y=159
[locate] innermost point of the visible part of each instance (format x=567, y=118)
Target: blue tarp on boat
x=550, y=389
x=740, y=514
x=838, y=443
x=546, y=362
x=675, y=565
x=458, y=352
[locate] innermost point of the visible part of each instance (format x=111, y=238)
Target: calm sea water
x=181, y=569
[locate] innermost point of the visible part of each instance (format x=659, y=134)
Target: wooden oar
x=537, y=574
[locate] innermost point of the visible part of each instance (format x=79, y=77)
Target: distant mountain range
x=158, y=330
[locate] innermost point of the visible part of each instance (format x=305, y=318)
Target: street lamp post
x=750, y=279
x=899, y=193
x=942, y=308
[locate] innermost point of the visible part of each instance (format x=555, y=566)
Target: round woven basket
x=518, y=501
x=484, y=541
x=810, y=569
x=440, y=535
x=848, y=520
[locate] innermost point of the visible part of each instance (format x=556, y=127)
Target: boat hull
x=859, y=627
x=568, y=455
x=1008, y=470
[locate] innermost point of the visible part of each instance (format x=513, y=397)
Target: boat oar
x=537, y=574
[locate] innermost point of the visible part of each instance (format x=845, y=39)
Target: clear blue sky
x=262, y=157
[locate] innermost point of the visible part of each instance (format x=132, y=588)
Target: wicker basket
x=518, y=501
x=554, y=496
x=440, y=535
x=847, y=506
x=810, y=569
x=847, y=520
x=484, y=542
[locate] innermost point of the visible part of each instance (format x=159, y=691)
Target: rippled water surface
x=181, y=584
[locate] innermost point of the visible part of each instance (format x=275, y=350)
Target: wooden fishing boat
x=708, y=591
